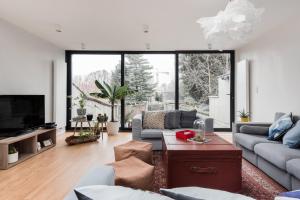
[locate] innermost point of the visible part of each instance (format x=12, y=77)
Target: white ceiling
x=117, y=24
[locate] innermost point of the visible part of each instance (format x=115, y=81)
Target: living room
x=149, y=100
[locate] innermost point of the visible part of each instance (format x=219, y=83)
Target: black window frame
x=68, y=59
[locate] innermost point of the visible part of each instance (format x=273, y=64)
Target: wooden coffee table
x=216, y=164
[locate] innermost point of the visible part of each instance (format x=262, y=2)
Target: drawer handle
x=203, y=170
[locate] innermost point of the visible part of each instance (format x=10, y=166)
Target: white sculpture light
x=235, y=23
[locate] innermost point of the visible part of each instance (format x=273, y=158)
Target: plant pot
x=14, y=157
x=245, y=119
x=81, y=111
x=89, y=117
x=112, y=128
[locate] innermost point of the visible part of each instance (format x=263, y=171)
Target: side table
x=81, y=121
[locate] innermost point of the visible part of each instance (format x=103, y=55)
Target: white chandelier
x=235, y=23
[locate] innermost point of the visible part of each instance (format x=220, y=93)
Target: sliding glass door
x=85, y=70
x=152, y=77
x=186, y=80
x=204, y=85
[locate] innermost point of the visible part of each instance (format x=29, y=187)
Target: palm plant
x=244, y=114
x=113, y=93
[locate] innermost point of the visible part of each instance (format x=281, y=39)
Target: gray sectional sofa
x=97, y=175
x=277, y=160
x=155, y=135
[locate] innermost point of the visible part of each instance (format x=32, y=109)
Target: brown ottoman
x=134, y=173
x=140, y=150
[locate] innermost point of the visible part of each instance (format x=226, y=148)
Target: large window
x=186, y=80
x=152, y=77
x=85, y=70
x=204, y=85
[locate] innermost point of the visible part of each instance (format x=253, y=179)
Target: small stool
x=140, y=150
x=134, y=173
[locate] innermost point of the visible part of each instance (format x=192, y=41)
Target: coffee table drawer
x=223, y=174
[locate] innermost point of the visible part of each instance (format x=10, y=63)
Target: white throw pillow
x=104, y=192
x=203, y=193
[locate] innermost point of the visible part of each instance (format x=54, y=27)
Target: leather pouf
x=134, y=173
x=140, y=150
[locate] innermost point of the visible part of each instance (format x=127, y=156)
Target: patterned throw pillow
x=154, y=120
x=280, y=127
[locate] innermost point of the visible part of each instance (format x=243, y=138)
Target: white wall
x=274, y=71
x=26, y=64
x=59, y=93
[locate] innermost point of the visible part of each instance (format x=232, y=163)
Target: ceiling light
x=148, y=46
x=235, y=23
x=209, y=46
x=83, y=46
x=58, y=28
x=145, y=28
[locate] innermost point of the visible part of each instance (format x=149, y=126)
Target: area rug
x=255, y=183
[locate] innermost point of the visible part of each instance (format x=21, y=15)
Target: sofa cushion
x=293, y=167
x=255, y=130
x=98, y=175
x=277, y=154
x=198, y=193
x=249, y=141
x=151, y=133
x=292, y=137
x=154, y=120
x=100, y=192
x=296, y=118
x=280, y=127
x=172, y=119
x=187, y=118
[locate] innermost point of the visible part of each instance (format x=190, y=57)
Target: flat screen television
x=21, y=113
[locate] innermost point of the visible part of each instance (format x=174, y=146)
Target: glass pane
x=85, y=70
x=204, y=85
x=152, y=77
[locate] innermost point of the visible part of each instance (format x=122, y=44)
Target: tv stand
x=26, y=145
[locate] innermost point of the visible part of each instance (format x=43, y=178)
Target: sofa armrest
x=237, y=125
x=209, y=125
x=99, y=175
x=137, y=127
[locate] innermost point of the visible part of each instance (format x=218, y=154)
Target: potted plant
x=101, y=120
x=13, y=154
x=113, y=93
x=81, y=111
x=89, y=117
x=244, y=116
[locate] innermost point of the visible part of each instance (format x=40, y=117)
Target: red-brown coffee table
x=216, y=164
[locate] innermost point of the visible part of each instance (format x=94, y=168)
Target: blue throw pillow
x=292, y=137
x=280, y=127
x=292, y=194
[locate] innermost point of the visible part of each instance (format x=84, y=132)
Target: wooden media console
x=27, y=145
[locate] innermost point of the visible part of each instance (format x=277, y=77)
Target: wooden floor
x=52, y=174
